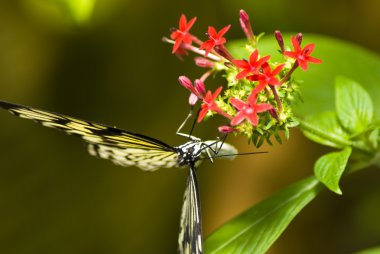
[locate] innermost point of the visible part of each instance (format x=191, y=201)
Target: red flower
x=182, y=34
x=209, y=104
x=253, y=66
x=215, y=38
x=248, y=110
x=302, y=55
x=267, y=77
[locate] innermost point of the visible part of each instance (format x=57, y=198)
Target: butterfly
x=126, y=148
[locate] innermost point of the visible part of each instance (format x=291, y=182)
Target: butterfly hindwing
x=122, y=147
x=190, y=236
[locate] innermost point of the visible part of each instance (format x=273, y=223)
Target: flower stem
x=278, y=101
x=223, y=51
x=206, y=75
x=194, y=49
x=287, y=76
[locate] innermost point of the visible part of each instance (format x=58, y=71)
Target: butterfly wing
x=122, y=147
x=190, y=237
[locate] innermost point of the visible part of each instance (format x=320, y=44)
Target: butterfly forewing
x=190, y=237
x=121, y=147
x=130, y=149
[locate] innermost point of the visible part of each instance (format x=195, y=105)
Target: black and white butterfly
x=126, y=148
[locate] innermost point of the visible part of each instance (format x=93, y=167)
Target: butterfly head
x=189, y=152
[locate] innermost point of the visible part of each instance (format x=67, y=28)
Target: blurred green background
x=103, y=60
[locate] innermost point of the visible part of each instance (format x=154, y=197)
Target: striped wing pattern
x=190, y=236
x=129, y=149
x=121, y=147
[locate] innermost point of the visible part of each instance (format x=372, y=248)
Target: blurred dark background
x=104, y=61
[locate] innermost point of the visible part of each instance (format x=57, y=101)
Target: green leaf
x=353, y=105
x=330, y=167
x=255, y=230
x=373, y=138
x=325, y=129
x=375, y=250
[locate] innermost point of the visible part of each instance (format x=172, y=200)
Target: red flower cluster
x=257, y=71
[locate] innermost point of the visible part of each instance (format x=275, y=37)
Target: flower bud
x=222, y=51
x=279, y=39
x=273, y=113
x=246, y=25
x=225, y=129
x=186, y=82
x=193, y=99
x=299, y=38
x=203, y=62
x=200, y=87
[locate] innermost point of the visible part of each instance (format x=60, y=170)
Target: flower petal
x=223, y=31
x=290, y=54
x=239, y=104
x=252, y=98
x=274, y=81
x=259, y=88
x=212, y=32
x=216, y=93
x=277, y=70
x=202, y=114
x=253, y=57
x=303, y=64
x=252, y=118
x=238, y=118
x=296, y=44
x=176, y=45
x=262, y=107
x=182, y=23
x=243, y=64
x=313, y=60
x=309, y=48
x=191, y=23
x=242, y=74
x=262, y=61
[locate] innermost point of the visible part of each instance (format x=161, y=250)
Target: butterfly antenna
x=232, y=154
